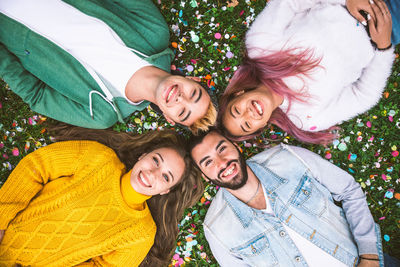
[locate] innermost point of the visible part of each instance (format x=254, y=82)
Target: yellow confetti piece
x=394, y=148
x=363, y=185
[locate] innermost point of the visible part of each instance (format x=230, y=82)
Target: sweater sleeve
x=132, y=256
x=359, y=96
x=267, y=30
x=48, y=101
x=344, y=189
x=34, y=171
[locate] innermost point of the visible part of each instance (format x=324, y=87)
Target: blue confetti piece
x=386, y=237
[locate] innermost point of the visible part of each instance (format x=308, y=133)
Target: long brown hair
x=167, y=210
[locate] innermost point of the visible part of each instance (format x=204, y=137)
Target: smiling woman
x=92, y=210
x=313, y=67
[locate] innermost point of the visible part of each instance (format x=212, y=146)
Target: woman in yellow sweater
x=75, y=203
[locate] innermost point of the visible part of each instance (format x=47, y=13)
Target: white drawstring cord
x=105, y=98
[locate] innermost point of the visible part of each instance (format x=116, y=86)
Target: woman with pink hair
x=309, y=65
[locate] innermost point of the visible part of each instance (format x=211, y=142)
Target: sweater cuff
x=367, y=247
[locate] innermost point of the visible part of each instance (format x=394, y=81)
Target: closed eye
x=208, y=162
x=193, y=94
x=247, y=124
x=180, y=114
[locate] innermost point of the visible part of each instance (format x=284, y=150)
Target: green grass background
x=369, y=153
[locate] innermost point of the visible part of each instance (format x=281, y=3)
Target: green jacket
x=55, y=84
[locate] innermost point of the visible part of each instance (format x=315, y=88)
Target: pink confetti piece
x=313, y=128
x=395, y=153
x=217, y=35
x=390, y=118
x=328, y=156
x=384, y=177
x=369, y=124
x=382, y=218
x=15, y=151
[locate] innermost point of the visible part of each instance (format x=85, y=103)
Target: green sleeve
x=49, y=102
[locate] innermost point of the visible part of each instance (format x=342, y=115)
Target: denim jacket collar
x=268, y=179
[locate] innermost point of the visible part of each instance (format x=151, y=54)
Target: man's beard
x=239, y=180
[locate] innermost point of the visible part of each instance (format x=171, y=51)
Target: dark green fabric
x=55, y=84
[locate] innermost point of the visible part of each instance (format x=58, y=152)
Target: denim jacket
x=304, y=201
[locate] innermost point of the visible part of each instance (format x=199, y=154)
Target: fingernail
x=371, y=2
x=368, y=17
x=364, y=23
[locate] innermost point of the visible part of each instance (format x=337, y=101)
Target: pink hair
x=270, y=70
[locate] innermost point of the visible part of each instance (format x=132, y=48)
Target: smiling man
x=92, y=63
x=278, y=208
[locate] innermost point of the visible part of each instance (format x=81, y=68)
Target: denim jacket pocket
x=256, y=252
x=309, y=197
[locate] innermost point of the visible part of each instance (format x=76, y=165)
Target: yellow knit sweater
x=63, y=206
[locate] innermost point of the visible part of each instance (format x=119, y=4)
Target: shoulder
x=84, y=147
x=217, y=206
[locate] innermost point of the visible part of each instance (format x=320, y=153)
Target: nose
x=180, y=97
x=220, y=162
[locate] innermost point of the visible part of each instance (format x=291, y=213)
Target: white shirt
x=88, y=39
x=313, y=255
x=351, y=75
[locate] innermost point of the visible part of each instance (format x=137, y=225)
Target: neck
x=249, y=191
x=143, y=84
x=134, y=199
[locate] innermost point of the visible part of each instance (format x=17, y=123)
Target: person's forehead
x=209, y=144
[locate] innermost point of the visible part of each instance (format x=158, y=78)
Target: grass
x=207, y=37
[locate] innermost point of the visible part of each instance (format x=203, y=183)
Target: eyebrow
x=187, y=116
x=204, y=159
x=160, y=156
x=200, y=94
x=219, y=144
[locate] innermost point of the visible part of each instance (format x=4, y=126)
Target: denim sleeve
x=345, y=189
x=221, y=253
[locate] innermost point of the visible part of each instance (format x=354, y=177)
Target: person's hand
x=355, y=6
x=369, y=263
x=380, y=27
x=1, y=235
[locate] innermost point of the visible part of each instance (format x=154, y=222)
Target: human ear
x=241, y=92
x=196, y=79
x=164, y=192
x=170, y=121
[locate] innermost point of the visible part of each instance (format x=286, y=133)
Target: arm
x=344, y=188
x=132, y=256
x=220, y=253
x=47, y=101
x=359, y=96
x=33, y=172
x=270, y=24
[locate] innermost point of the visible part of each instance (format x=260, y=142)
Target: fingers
x=360, y=18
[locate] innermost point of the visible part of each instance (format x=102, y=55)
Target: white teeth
x=170, y=93
x=229, y=171
x=143, y=180
x=258, y=107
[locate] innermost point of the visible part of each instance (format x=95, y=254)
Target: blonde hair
x=208, y=120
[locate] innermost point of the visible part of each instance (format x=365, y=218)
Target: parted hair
x=167, y=210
